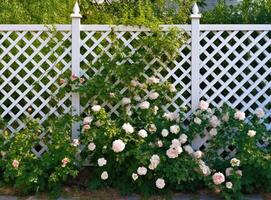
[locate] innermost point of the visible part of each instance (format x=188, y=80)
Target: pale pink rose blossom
x=197, y=121
x=229, y=185
x=75, y=142
x=102, y=162
x=144, y=105
x=142, y=171
x=214, y=121
x=96, y=108
x=134, y=176
x=104, y=175
x=198, y=154
x=118, y=146
x=91, y=146
x=260, y=113
x=125, y=101
x=183, y=138
x=160, y=183
x=159, y=143
x=239, y=115
x=152, y=128
x=87, y=120
x=74, y=77
x=172, y=88
x=229, y=171
x=174, y=129
x=225, y=117
x=128, y=128
x=251, y=133
x=142, y=133
x=174, y=151
x=61, y=81
x=153, y=80
x=153, y=95
x=65, y=161
x=86, y=127
x=239, y=172
x=218, y=178
x=235, y=162
x=203, y=105
x=15, y=164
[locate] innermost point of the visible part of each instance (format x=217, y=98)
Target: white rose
x=127, y=127
x=213, y=132
x=175, y=143
x=104, y=175
x=118, y=146
x=125, y=101
x=198, y=154
x=229, y=185
x=91, y=146
x=203, y=105
x=188, y=149
x=153, y=95
x=174, y=129
x=251, y=133
x=102, y=162
x=160, y=183
x=142, y=171
x=142, y=133
x=197, y=120
x=235, y=162
x=183, y=138
x=164, y=133
x=134, y=176
x=87, y=120
x=155, y=110
x=144, y=105
x=260, y=113
x=96, y=108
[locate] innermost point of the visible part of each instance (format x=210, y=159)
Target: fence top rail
x=235, y=27
x=34, y=27
x=97, y=27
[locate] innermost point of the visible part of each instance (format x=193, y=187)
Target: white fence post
x=76, y=23
x=195, y=57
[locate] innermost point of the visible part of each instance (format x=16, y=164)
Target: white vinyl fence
x=220, y=64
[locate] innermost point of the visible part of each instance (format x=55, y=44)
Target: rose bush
x=238, y=149
x=31, y=173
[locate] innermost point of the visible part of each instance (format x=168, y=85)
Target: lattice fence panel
x=236, y=69
x=30, y=64
x=179, y=73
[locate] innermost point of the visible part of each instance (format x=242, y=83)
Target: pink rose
x=218, y=178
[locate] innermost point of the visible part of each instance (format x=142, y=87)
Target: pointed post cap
x=195, y=12
x=76, y=11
